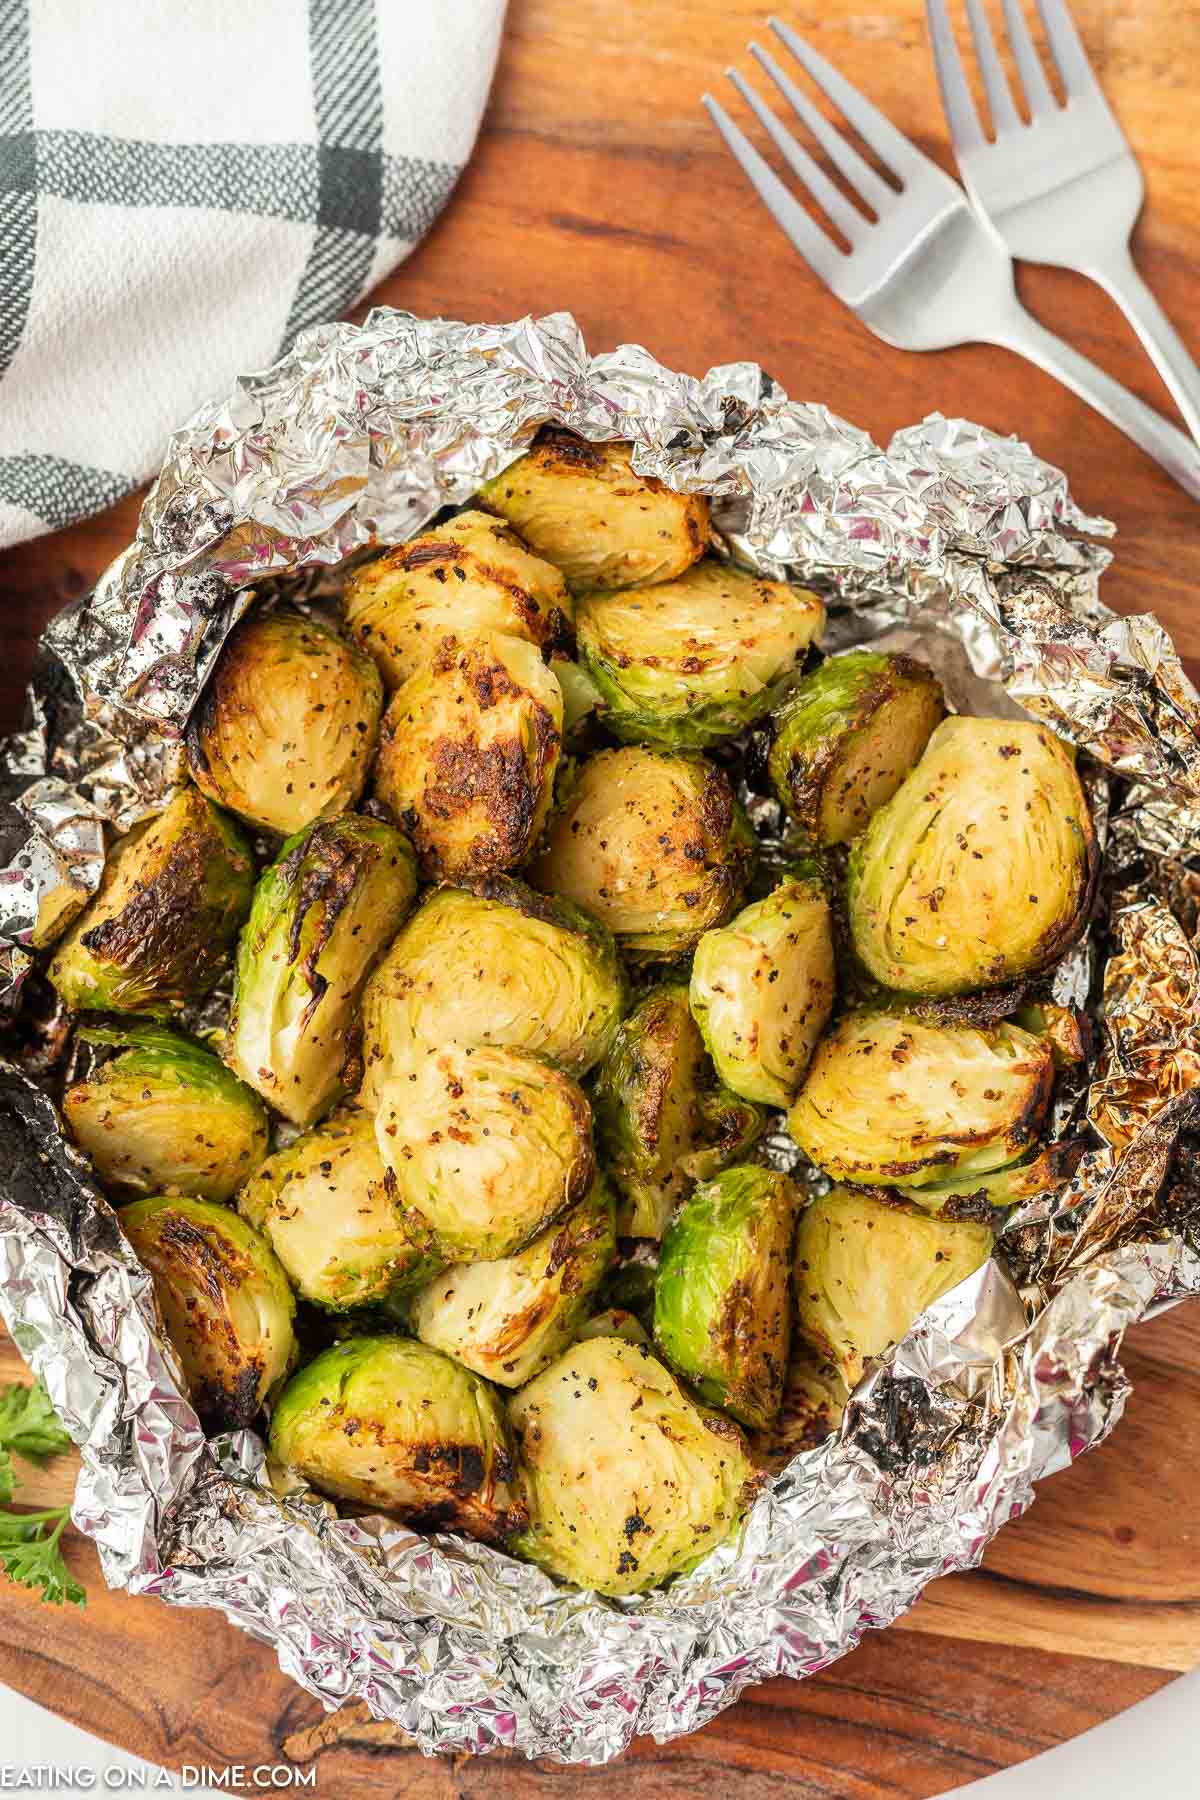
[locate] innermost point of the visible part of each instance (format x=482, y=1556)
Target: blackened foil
x=953, y=542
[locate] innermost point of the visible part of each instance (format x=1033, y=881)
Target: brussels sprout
x=468, y=753
x=722, y=1316
x=629, y=1288
x=583, y=508
x=655, y=845
x=322, y=913
x=159, y=932
x=391, y=1423
x=328, y=1208
x=166, y=1117
x=495, y=962
x=1067, y=1030
x=614, y=1322
x=285, y=729
x=814, y=1399
x=890, y=1099
x=982, y=865
x=846, y=738
x=225, y=1302
x=978, y=1196
x=508, y=1319
x=582, y=699
x=866, y=1269
x=471, y=574
x=691, y=661
x=487, y=1145
x=629, y=1480
x=658, y=1127
x=762, y=990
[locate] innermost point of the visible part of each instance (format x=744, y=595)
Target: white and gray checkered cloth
x=185, y=185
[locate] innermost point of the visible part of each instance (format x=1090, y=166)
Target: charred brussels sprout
x=170, y=906
x=629, y=1480
x=866, y=1269
x=322, y=913
x=814, y=1399
x=508, y=1319
x=394, y=1424
x=982, y=865
x=468, y=752
x=285, y=729
x=762, y=990
x=615, y=1322
x=655, y=845
x=225, y=1302
x=487, y=1146
x=166, y=1117
x=659, y=1126
x=583, y=508
x=328, y=1208
x=691, y=661
x=977, y=1196
x=495, y=963
x=471, y=574
x=846, y=738
x=891, y=1100
x=722, y=1314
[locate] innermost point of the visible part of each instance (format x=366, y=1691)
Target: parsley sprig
x=30, y=1552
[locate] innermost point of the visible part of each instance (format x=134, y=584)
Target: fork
x=1066, y=188
x=927, y=273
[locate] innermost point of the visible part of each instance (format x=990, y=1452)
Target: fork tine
x=889, y=145
x=1029, y=64
x=819, y=251
x=841, y=153
x=1078, y=77
x=848, y=220
x=1000, y=105
x=966, y=133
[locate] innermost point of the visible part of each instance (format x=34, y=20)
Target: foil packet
x=953, y=542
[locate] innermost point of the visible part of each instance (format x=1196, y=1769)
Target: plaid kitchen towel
x=185, y=185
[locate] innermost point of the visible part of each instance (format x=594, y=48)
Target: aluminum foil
x=954, y=542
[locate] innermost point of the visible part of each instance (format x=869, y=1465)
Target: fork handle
x=1018, y=330
x=1118, y=276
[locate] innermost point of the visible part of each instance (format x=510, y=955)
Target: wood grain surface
x=599, y=187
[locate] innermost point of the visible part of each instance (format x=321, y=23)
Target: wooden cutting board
x=599, y=187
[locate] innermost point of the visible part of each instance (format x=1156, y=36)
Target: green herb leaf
x=29, y=1426
x=30, y=1555
x=7, y=1478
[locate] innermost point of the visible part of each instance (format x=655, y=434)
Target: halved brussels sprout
x=468, y=752
x=225, y=1302
x=471, y=574
x=865, y=1270
x=165, y=1117
x=495, y=962
x=394, y=1424
x=285, y=729
x=762, y=990
x=814, y=1399
x=659, y=1126
x=336, y=894
x=508, y=1319
x=487, y=1145
x=328, y=1208
x=846, y=738
x=654, y=844
x=722, y=1312
x=688, y=662
x=170, y=905
x=982, y=865
x=890, y=1099
x=978, y=1196
x=614, y=1322
x=629, y=1480
x=583, y=508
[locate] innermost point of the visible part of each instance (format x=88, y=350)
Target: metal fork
x=928, y=273
x=1066, y=188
